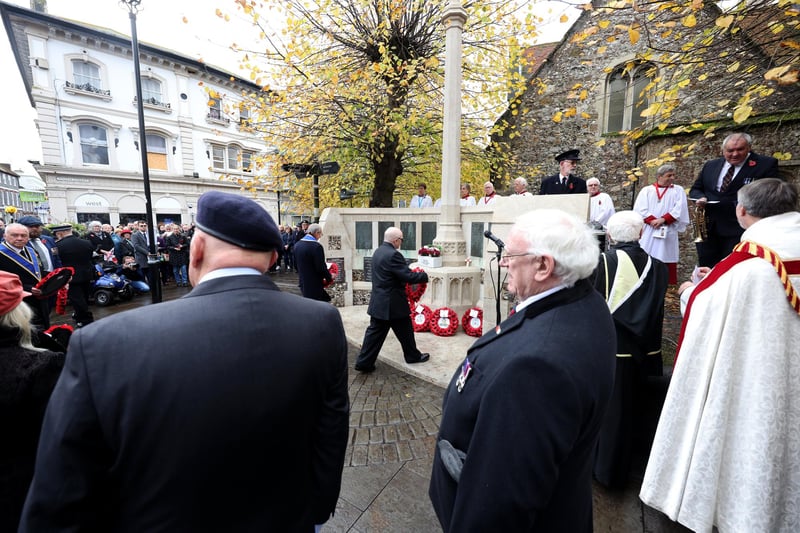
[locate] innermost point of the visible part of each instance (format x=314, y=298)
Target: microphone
x=491, y=236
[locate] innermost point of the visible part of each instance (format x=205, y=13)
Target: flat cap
x=62, y=227
x=237, y=220
x=30, y=220
x=569, y=155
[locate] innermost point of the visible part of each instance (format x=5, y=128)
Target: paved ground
x=393, y=424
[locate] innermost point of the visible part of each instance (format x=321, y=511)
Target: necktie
x=563, y=182
x=726, y=180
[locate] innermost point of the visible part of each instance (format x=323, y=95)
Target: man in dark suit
x=141, y=246
x=564, y=182
x=715, y=191
x=18, y=256
x=311, y=267
x=388, y=305
x=78, y=254
x=188, y=415
x=521, y=416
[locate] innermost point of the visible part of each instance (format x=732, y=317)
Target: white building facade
x=81, y=81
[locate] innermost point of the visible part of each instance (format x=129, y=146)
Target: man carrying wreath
x=388, y=306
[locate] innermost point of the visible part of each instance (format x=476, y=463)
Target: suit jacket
x=552, y=185
x=528, y=418
x=142, y=249
x=77, y=253
x=236, y=426
x=390, y=273
x=310, y=258
x=721, y=217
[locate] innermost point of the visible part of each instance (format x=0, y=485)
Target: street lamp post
x=152, y=259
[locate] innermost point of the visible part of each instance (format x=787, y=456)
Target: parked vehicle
x=107, y=285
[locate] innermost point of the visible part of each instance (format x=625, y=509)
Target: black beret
x=30, y=220
x=237, y=220
x=62, y=227
x=569, y=155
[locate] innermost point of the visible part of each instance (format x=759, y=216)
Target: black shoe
x=422, y=358
x=365, y=369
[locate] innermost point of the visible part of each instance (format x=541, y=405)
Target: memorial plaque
x=428, y=233
x=367, y=269
x=340, y=277
x=476, y=240
x=409, y=230
x=364, y=239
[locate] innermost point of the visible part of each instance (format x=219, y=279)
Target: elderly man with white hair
x=521, y=187
x=634, y=286
x=521, y=417
x=489, y=194
x=601, y=206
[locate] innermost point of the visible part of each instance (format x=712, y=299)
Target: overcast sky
x=188, y=27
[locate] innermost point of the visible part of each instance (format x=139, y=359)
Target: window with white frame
x=218, y=157
x=626, y=96
x=215, y=108
x=234, y=158
x=94, y=144
x=156, y=152
x=151, y=91
x=86, y=75
x=244, y=114
x=247, y=161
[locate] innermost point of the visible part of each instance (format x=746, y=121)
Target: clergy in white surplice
x=727, y=448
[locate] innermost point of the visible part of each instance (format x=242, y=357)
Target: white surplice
x=727, y=448
x=672, y=201
x=601, y=207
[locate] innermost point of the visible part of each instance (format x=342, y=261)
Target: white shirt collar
x=228, y=272
x=536, y=297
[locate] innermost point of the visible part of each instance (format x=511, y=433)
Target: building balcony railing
x=215, y=117
x=87, y=89
x=154, y=103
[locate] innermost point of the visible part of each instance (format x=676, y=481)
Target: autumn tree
x=360, y=82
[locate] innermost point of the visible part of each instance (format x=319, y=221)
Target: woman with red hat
x=27, y=377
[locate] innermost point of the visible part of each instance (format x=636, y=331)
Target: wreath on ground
x=334, y=271
x=472, y=322
x=444, y=322
x=414, y=291
x=420, y=316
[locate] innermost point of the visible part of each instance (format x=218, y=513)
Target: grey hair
x=768, y=197
x=313, y=228
x=663, y=169
x=741, y=135
x=625, y=226
x=521, y=180
x=592, y=180
x=565, y=238
x=94, y=223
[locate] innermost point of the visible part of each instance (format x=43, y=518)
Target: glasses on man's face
x=506, y=256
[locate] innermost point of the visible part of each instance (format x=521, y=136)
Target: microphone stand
x=497, y=255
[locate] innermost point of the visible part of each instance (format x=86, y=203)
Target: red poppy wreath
x=472, y=322
x=420, y=317
x=415, y=291
x=444, y=322
x=334, y=271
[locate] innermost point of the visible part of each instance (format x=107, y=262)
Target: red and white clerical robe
x=727, y=449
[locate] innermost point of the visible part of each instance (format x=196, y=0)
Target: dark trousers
x=79, y=299
x=376, y=334
x=714, y=249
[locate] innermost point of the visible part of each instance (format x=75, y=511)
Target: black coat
x=198, y=414
x=29, y=279
x=173, y=241
x=721, y=217
x=528, y=419
x=27, y=378
x=101, y=241
x=77, y=253
x=310, y=259
x=552, y=185
x=390, y=273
